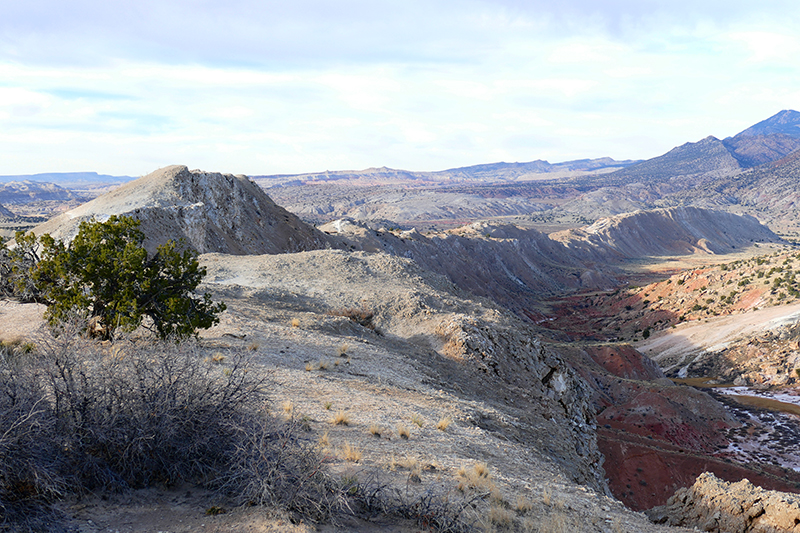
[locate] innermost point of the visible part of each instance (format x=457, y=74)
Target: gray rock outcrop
x=722, y=507
x=213, y=212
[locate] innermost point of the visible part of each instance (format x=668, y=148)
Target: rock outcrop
x=213, y=212
x=721, y=507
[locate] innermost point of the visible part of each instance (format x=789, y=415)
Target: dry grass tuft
x=547, y=496
x=322, y=365
x=295, y=322
x=325, y=440
x=523, y=504
x=288, y=407
x=328, y=405
x=342, y=351
x=350, y=453
x=477, y=478
x=217, y=358
x=253, y=346
x=341, y=419
x=444, y=423
x=417, y=419
x=309, y=367
x=375, y=430
x=403, y=431
x=500, y=516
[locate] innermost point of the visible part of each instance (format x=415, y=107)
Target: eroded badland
x=546, y=347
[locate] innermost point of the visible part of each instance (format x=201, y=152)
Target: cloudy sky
x=265, y=87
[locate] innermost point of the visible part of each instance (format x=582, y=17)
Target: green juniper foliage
x=106, y=272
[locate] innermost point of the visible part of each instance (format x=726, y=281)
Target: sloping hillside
x=6, y=214
x=23, y=192
x=212, y=212
x=674, y=231
x=513, y=266
x=708, y=157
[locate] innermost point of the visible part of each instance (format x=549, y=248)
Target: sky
x=264, y=87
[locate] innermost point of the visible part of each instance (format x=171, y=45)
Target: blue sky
x=260, y=87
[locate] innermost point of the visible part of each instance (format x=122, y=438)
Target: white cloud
x=260, y=88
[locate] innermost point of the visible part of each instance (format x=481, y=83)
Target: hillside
x=6, y=214
x=211, y=211
x=674, y=231
x=786, y=122
x=703, y=159
x=514, y=408
x=24, y=192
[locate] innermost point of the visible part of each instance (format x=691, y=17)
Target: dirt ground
x=321, y=365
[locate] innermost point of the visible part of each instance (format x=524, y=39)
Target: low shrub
x=362, y=316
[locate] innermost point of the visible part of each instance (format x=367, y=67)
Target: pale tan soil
x=383, y=379
x=678, y=346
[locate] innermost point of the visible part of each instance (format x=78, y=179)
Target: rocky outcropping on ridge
x=721, y=507
x=213, y=212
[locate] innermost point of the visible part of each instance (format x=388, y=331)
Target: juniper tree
x=106, y=272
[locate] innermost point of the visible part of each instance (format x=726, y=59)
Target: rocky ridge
x=6, y=214
x=513, y=266
x=211, y=211
x=722, y=507
x=23, y=192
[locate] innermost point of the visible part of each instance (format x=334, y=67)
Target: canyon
x=575, y=322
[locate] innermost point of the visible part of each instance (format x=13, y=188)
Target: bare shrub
x=31, y=469
x=274, y=467
x=433, y=509
x=132, y=414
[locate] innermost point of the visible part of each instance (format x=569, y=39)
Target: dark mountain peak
x=706, y=156
x=786, y=122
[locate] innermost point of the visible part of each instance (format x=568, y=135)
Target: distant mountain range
x=70, y=180
x=756, y=171
x=767, y=141
x=486, y=173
